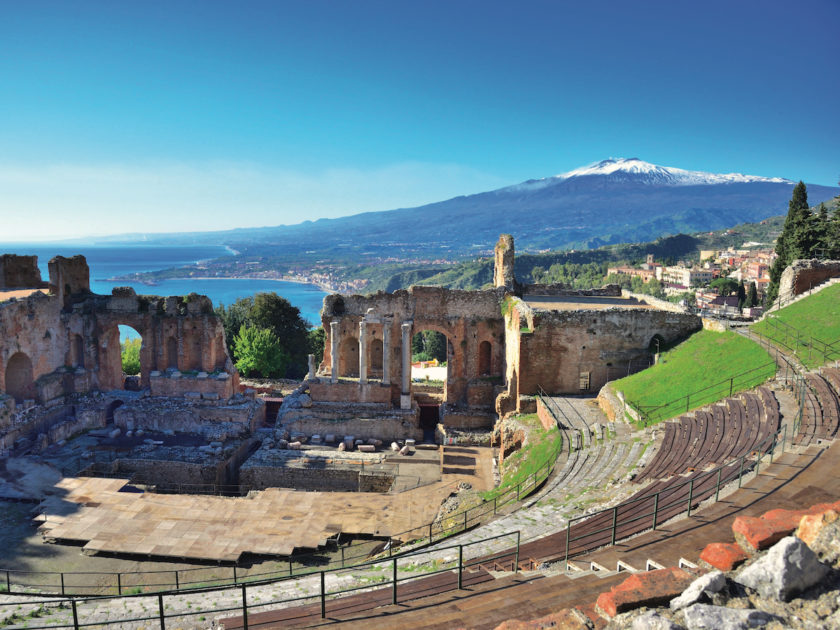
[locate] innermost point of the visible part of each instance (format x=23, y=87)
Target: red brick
x=755, y=533
x=652, y=588
x=723, y=556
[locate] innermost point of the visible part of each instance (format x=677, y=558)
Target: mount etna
x=613, y=201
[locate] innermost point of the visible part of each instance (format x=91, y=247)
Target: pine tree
x=822, y=232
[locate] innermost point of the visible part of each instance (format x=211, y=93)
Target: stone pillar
x=386, y=352
x=504, y=259
x=311, y=365
x=405, y=397
x=334, y=352
x=362, y=352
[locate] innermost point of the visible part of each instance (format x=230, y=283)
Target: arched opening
x=20, y=384
x=77, y=351
x=657, y=344
x=375, y=358
x=131, y=345
x=485, y=358
x=348, y=357
x=109, y=411
x=431, y=358
x=172, y=353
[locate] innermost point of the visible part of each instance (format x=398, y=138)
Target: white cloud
x=67, y=200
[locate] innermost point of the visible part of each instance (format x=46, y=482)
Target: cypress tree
x=796, y=239
x=752, y=296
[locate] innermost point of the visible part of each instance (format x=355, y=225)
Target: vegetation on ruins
x=259, y=353
x=271, y=312
x=131, y=356
x=802, y=325
x=805, y=234
x=540, y=446
x=703, y=360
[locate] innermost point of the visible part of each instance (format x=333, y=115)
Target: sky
x=176, y=115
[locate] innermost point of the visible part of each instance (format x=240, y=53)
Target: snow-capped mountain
x=613, y=201
x=634, y=169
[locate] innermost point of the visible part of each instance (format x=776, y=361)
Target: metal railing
x=650, y=414
x=383, y=574
x=617, y=522
x=792, y=339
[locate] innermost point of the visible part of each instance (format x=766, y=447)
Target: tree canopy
x=259, y=353
x=269, y=311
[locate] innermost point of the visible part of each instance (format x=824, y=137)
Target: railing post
x=655, y=508
x=8, y=583
x=568, y=534
x=516, y=559
x=119, y=584
x=430, y=532
x=245, y=607
x=687, y=397
x=160, y=614
x=62, y=582
x=717, y=487
x=460, y=566
x=731, y=381
x=323, y=597
x=177, y=582
x=784, y=438
x=75, y=614
x=758, y=463
x=615, y=520
x=741, y=471
x=494, y=504
x=465, y=519
x=234, y=574
x=690, y=495
x=394, y=597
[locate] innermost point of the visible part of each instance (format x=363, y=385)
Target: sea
x=108, y=262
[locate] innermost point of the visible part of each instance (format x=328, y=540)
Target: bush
x=259, y=353
x=131, y=357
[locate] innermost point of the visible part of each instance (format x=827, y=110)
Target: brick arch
x=19, y=379
x=110, y=353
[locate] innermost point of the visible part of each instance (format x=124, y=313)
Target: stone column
x=311, y=365
x=405, y=398
x=362, y=353
x=386, y=352
x=334, y=352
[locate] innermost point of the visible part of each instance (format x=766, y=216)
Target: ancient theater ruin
x=352, y=452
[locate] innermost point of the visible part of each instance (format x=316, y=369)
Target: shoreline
x=323, y=287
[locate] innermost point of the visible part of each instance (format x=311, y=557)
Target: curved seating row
x=820, y=408
x=735, y=427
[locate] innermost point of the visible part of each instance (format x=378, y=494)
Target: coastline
x=322, y=286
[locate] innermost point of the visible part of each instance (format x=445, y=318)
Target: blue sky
x=178, y=115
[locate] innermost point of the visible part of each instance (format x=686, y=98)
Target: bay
x=107, y=262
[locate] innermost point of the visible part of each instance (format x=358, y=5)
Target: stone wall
x=372, y=392
x=214, y=386
x=20, y=272
x=546, y=417
x=166, y=472
x=321, y=479
x=802, y=275
x=610, y=290
x=466, y=419
x=558, y=346
x=376, y=427
x=68, y=342
x=163, y=414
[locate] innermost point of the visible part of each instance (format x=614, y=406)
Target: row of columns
x=386, y=354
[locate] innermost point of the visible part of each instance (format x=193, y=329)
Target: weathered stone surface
x=706, y=617
x=821, y=532
x=653, y=620
x=565, y=619
x=652, y=588
x=787, y=568
x=703, y=586
x=723, y=556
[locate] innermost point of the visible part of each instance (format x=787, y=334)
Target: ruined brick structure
x=803, y=275
x=503, y=343
x=67, y=341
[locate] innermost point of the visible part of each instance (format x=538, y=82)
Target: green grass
x=816, y=319
x=541, y=446
x=696, y=373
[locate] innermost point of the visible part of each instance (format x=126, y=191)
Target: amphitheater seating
x=820, y=413
x=725, y=431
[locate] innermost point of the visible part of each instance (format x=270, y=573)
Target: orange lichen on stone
x=811, y=525
x=652, y=588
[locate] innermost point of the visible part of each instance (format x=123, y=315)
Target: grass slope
x=807, y=327
x=697, y=372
